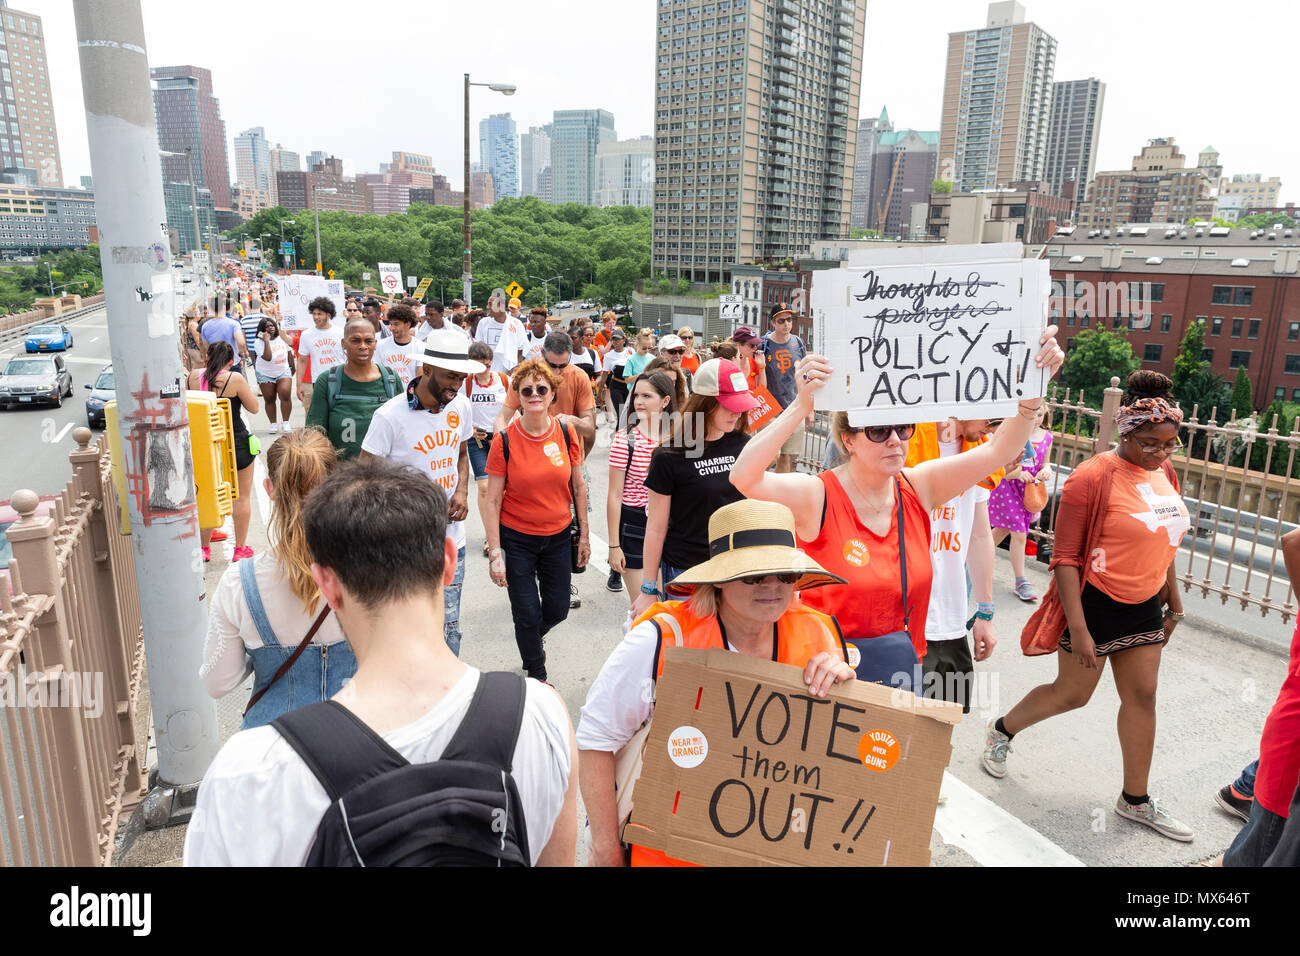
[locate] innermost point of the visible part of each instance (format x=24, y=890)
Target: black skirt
x=1116, y=626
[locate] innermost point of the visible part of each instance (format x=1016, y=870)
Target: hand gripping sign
x=921, y=335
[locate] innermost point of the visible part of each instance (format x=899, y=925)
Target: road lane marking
x=59, y=437
x=992, y=836
x=87, y=361
x=95, y=339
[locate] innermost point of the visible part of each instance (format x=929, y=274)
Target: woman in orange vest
x=744, y=602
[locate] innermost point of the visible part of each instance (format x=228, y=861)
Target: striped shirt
x=249, y=324
x=634, y=493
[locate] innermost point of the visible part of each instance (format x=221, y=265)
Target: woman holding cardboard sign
x=744, y=601
x=868, y=520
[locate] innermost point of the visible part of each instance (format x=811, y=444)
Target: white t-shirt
x=257, y=770
x=231, y=630
x=402, y=359
x=950, y=531
x=614, y=359
x=279, y=364
x=428, y=442
x=506, y=339
x=424, y=328
x=485, y=400
x=324, y=347
x=534, y=349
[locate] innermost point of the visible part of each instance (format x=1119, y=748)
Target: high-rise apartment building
x=416, y=169
x=869, y=130
x=498, y=150
x=482, y=191
x=1072, y=135
x=756, y=105
x=997, y=101
x=1158, y=188
x=29, y=139
x=625, y=172
x=285, y=160
x=574, y=138
x=315, y=158
x=253, y=160
x=534, y=156
x=1245, y=190
x=903, y=168
x=189, y=116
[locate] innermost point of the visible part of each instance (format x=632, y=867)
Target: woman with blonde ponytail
x=266, y=617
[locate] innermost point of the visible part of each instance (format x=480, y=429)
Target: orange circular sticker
x=878, y=750
x=453, y=420
x=855, y=656
x=855, y=552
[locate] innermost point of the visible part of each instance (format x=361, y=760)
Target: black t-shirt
x=699, y=486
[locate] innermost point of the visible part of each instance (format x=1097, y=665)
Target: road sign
x=390, y=276
x=286, y=248
x=242, y=253
x=331, y=273
x=365, y=277
x=730, y=307
x=412, y=281
x=422, y=288
x=514, y=290
x=201, y=259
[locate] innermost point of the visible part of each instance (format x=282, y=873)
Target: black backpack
x=461, y=810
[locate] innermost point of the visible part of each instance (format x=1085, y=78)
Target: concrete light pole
x=546, y=294
x=467, y=273
x=154, y=423
x=288, y=259
x=315, y=205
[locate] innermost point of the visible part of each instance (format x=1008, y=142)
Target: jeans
x=1257, y=839
x=451, y=605
x=533, y=561
x=478, y=456
x=667, y=572
x=1245, y=784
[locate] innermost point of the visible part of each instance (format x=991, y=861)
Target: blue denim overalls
x=317, y=675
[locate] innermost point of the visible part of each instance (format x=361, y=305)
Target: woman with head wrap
x=1120, y=521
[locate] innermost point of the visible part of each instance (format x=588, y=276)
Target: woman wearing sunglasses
x=847, y=518
x=744, y=601
x=534, y=477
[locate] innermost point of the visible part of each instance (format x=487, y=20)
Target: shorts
x=478, y=456
x=243, y=455
x=269, y=379
x=631, y=536
x=1115, y=626
x=794, y=444
x=948, y=672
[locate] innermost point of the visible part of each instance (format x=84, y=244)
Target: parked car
x=101, y=393
x=622, y=310
x=49, y=338
x=561, y=306
x=35, y=380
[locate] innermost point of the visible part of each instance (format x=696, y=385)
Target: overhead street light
x=467, y=273
x=546, y=295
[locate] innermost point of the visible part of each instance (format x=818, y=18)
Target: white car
x=561, y=306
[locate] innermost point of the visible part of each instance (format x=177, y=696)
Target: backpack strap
x=334, y=383
x=341, y=751
x=257, y=610
x=489, y=730
x=392, y=383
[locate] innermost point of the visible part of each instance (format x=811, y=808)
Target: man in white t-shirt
x=505, y=335
x=427, y=429
x=537, y=329
x=322, y=346
x=401, y=351
x=434, y=319
x=960, y=540
x=377, y=536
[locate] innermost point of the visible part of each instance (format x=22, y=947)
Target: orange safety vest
x=924, y=446
x=801, y=634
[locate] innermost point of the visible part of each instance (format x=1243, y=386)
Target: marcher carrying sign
x=953, y=335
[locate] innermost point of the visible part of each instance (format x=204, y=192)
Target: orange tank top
x=871, y=604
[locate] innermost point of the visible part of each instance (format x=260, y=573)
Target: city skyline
x=902, y=67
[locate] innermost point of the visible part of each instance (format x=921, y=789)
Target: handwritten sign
x=768, y=408
x=390, y=276
x=294, y=293
x=743, y=766
x=954, y=335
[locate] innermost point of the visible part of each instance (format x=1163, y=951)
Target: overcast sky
x=360, y=80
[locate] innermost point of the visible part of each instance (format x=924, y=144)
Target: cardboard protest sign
x=295, y=292
x=921, y=335
x=743, y=767
x=390, y=277
x=768, y=408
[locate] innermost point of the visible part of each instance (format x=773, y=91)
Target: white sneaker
x=996, y=747
x=275, y=428
x=285, y=428
x=1156, y=817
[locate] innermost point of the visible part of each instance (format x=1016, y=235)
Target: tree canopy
x=1096, y=356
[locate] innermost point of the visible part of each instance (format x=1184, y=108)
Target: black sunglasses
x=677, y=351
x=541, y=391
x=557, y=368
x=760, y=578
x=880, y=433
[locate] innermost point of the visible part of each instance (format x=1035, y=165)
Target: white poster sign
x=295, y=292
x=729, y=307
x=390, y=277
x=921, y=335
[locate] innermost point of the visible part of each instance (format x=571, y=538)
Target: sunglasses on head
x=880, y=433
x=541, y=391
x=760, y=578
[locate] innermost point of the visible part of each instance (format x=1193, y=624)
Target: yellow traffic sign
x=422, y=288
x=514, y=290
x=318, y=267
x=331, y=273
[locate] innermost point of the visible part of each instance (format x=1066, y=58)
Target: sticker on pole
x=687, y=747
x=390, y=276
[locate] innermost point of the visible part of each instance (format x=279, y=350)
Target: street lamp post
x=282, y=224
x=546, y=296
x=467, y=274
x=316, y=205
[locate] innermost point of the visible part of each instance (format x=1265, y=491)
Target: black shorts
x=1116, y=626
x=631, y=535
x=243, y=457
x=948, y=671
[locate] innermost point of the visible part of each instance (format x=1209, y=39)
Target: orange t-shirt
x=537, y=477
x=691, y=361
x=1145, y=520
x=575, y=394
x=871, y=604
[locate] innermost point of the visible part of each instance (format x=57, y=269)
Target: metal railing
x=1239, y=513
x=71, y=655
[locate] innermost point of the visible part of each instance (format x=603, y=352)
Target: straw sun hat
x=750, y=538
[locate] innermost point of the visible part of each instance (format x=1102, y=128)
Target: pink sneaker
x=244, y=552
x=207, y=553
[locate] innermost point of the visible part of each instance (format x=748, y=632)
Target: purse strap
x=284, y=668
x=902, y=553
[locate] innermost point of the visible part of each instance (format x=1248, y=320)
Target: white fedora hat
x=449, y=349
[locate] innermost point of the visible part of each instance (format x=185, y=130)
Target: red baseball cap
x=724, y=380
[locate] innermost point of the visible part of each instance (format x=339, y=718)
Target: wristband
x=648, y=587
x=1174, y=615
x=985, y=612
x=616, y=547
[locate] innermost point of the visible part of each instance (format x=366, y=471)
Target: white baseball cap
x=670, y=341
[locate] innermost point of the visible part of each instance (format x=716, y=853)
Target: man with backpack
x=782, y=350
x=420, y=759
x=345, y=397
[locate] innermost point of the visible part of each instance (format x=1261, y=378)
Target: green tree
x=1266, y=221
x=1097, y=356
x=941, y=186
x=1242, y=402
x=1190, y=359
x=864, y=233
